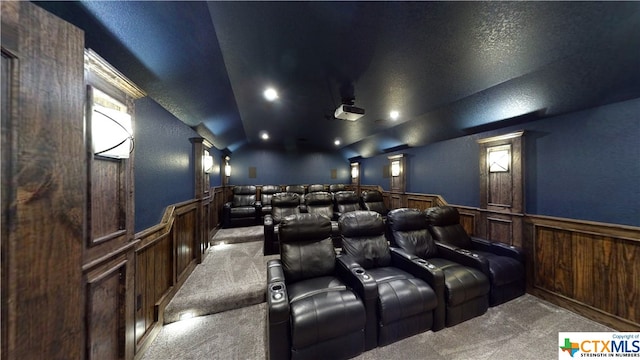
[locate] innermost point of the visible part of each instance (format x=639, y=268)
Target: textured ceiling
x=449, y=68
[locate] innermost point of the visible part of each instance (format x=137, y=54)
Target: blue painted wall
x=163, y=162
x=278, y=167
x=583, y=165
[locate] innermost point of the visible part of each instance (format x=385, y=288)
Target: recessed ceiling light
x=337, y=142
x=270, y=94
x=394, y=115
x=264, y=135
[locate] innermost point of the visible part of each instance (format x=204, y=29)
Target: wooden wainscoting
x=590, y=268
x=165, y=256
x=500, y=226
x=423, y=201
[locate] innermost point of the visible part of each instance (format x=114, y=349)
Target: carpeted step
x=230, y=277
x=239, y=235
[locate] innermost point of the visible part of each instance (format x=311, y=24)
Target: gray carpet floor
x=231, y=276
x=228, y=289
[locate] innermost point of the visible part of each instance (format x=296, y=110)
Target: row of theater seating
x=431, y=276
x=245, y=209
x=332, y=206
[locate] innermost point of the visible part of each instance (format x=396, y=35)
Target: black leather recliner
x=466, y=287
x=346, y=201
x=311, y=312
x=266, y=193
x=372, y=200
x=401, y=294
x=505, y=262
x=282, y=205
x=321, y=202
x=243, y=210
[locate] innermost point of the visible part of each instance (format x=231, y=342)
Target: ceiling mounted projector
x=348, y=112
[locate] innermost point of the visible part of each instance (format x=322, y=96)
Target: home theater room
x=320, y=180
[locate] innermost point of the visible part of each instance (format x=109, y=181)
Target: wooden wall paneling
x=544, y=259
x=500, y=228
x=587, y=267
x=185, y=238
x=629, y=281
x=584, y=270
x=109, y=332
x=43, y=185
x=156, y=274
x=468, y=221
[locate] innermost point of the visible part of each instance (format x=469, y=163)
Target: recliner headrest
x=406, y=219
x=298, y=189
x=244, y=190
x=318, y=198
x=270, y=189
x=304, y=227
x=442, y=216
x=285, y=199
x=361, y=223
x=337, y=187
x=371, y=196
x=346, y=197
x=316, y=188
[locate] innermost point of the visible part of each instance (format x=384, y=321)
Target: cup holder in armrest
x=361, y=272
x=424, y=262
x=277, y=291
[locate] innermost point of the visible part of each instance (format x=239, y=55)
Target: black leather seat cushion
x=319, y=307
x=503, y=269
x=401, y=295
x=462, y=283
x=243, y=211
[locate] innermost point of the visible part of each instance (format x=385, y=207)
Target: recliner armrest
x=228, y=205
x=417, y=267
x=507, y=250
x=463, y=257
x=268, y=220
x=480, y=244
x=428, y=272
x=278, y=310
x=275, y=273
x=356, y=277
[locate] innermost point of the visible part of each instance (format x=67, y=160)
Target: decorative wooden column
x=109, y=249
x=397, y=164
x=44, y=182
x=501, y=188
x=201, y=157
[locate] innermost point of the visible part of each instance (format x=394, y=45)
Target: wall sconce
x=499, y=158
x=395, y=168
x=207, y=162
x=227, y=166
x=355, y=170
x=111, y=133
